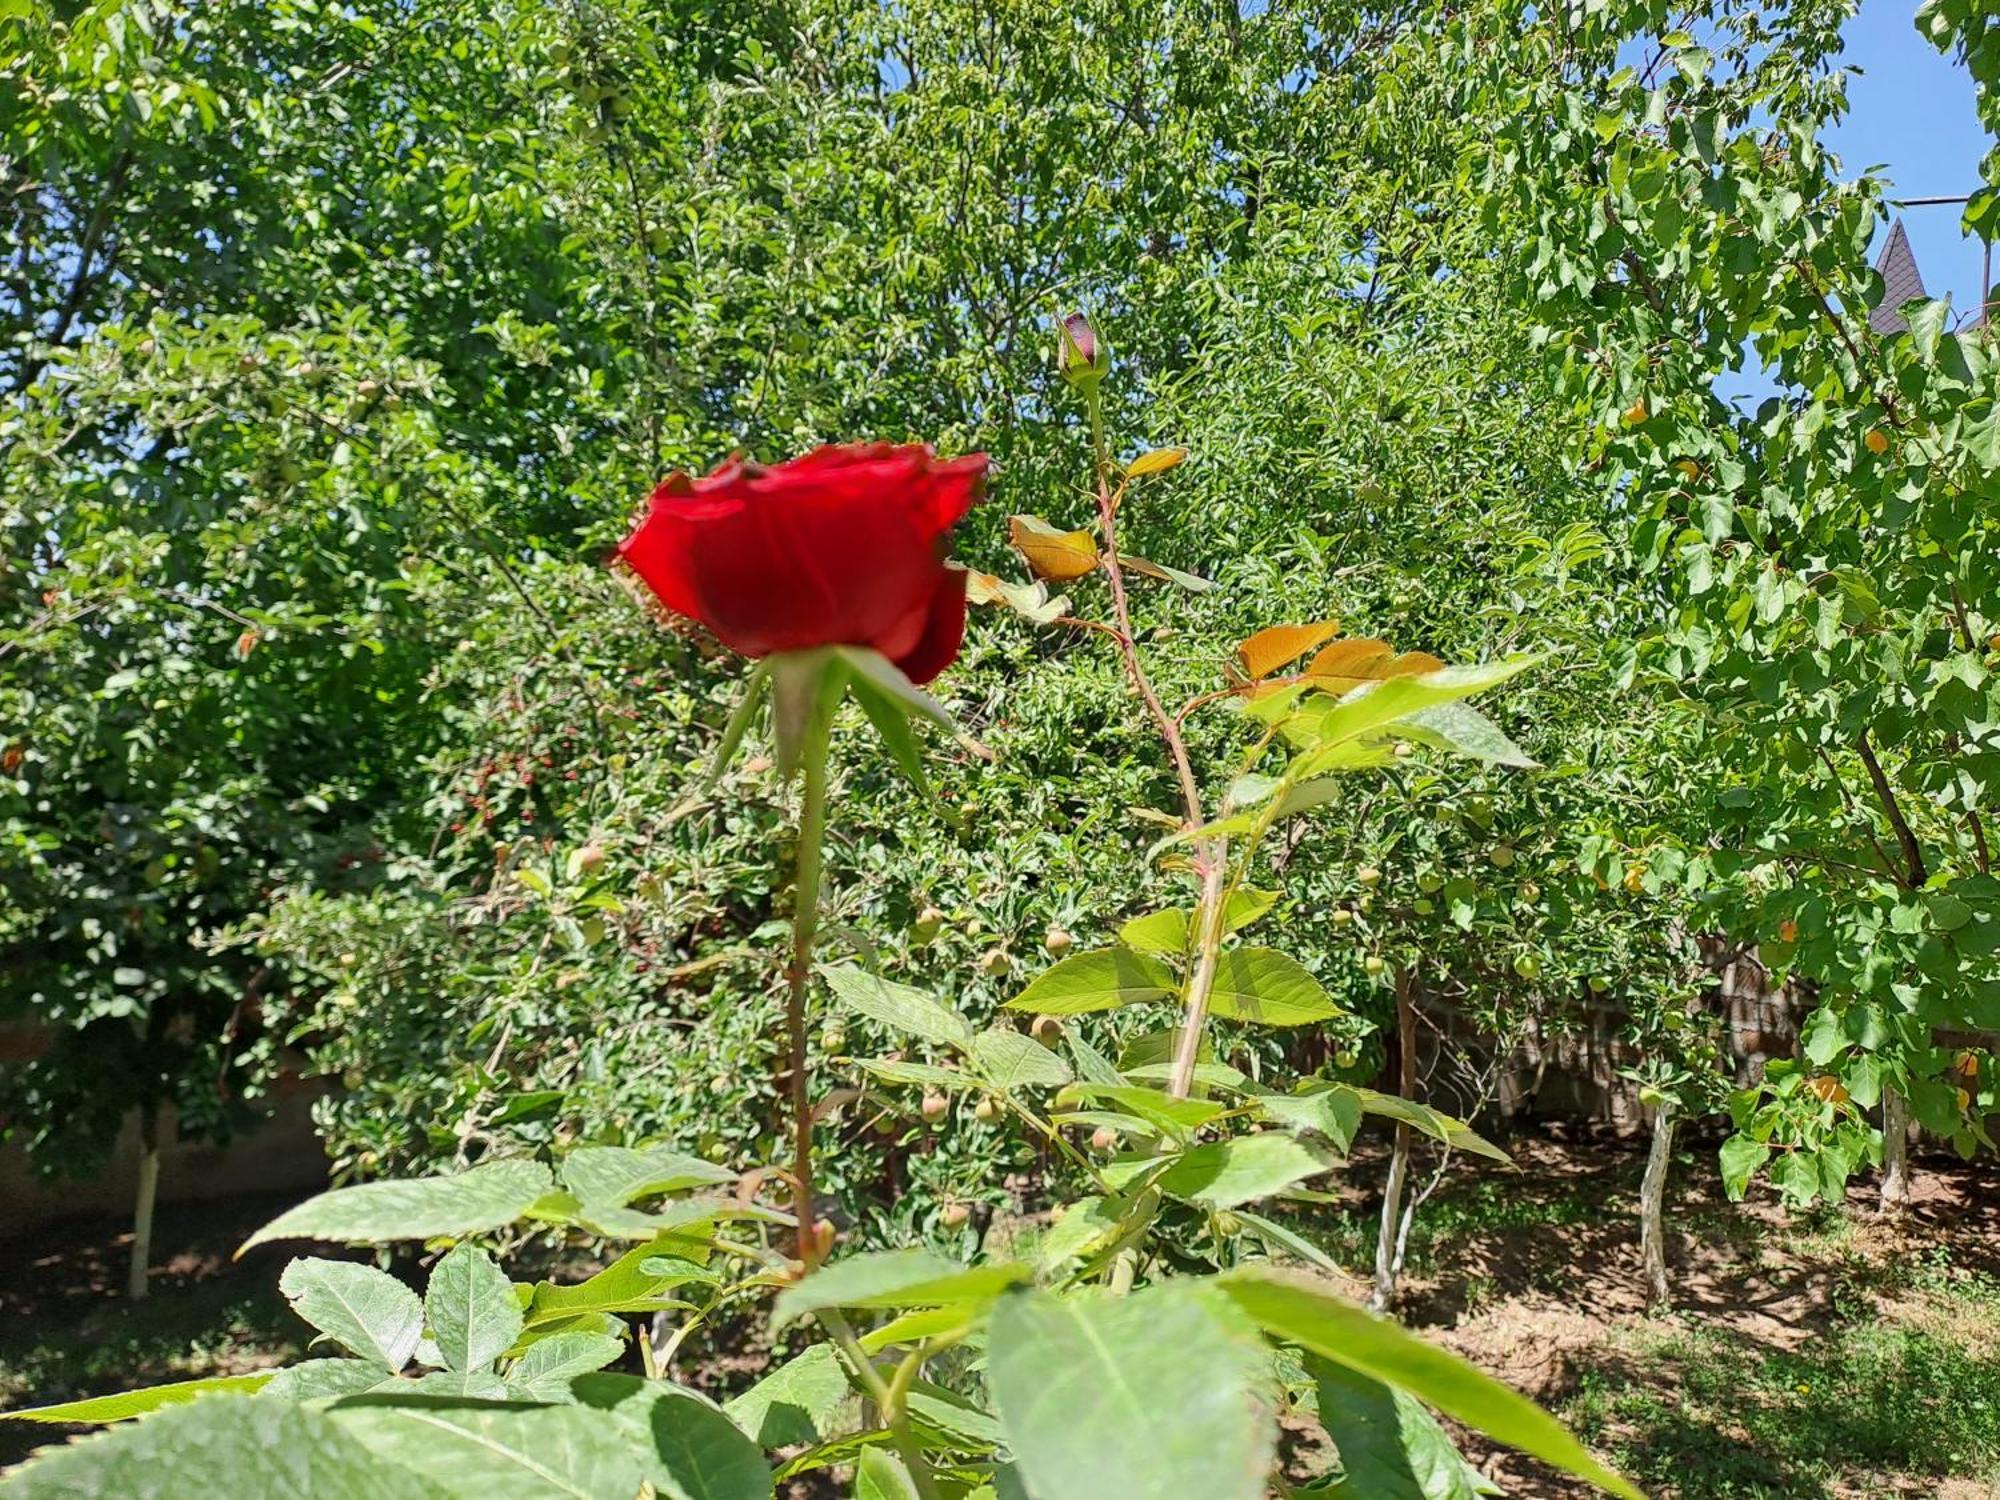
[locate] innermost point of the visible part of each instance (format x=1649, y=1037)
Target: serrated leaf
x=892, y=1278
x=616, y=1175
x=1464, y=730
x=419, y=1208
x=1130, y=1398
x=477, y=1448
x=638, y=1281
x=546, y=1367
x=1098, y=980
x=128, y=1404
x=317, y=1379
x=1009, y=1060
x=272, y=1450
x=1269, y=988
x=1057, y=555
x=471, y=1310
x=1157, y=1107
x=366, y=1311
x=690, y=1449
x=1223, y=1174
x=897, y=1006
x=1333, y=1113
x=795, y=1403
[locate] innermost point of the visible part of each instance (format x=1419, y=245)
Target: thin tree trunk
x=1395, y=1229
x=1652, y=1207
x=1895, y=1152
x=142, y=1205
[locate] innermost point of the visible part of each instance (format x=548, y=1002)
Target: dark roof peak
x=1901, y=282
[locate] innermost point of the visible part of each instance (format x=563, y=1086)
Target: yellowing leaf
x=1157, y=462
x=1268, y=650
x=1029, y=599
x=1345, y=665
x=1059, y=555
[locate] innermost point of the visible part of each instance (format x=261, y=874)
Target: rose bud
x=844, y=546
x=1080, y=355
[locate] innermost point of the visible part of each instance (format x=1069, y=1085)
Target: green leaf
x=1157, y=1107
x=897, y=1006
x=880, y=1475
x=1390, y=1447
x=479, y=1449
x=1742, y=1159
x=1278, y=1237
x=1161, y=571
x=226, y=1445
x=471, y=1310
x=1130, y=1398
x=314, y=1379
x=1453, y=1132
x=366, y=1311
x=1167, y=932
x=796, y=1403
x=1097, y=980
x=638, y=1281
x=418, y=1208
x=886, y=678
x=739, y=723
x=689, y=1449
x=1464, y=730
x=616, y=1175
x=127, y=1404
x=892, y=1278
x=1008, y=1060
x=806, y=688
x=1332, y=1112
x=1162, y=932
x=1222, y=1174
x=546, y=1367
x=892, y=724
x=1269, y=988
x=1303, y=1313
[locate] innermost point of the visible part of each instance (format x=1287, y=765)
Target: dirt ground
x=1531, y=1273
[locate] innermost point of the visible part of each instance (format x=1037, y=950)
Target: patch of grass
x=112, y=1345
x=1708, y=1416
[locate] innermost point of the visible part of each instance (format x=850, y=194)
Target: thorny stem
x=887, y=1401
x=1211, y=854
x=805, y=919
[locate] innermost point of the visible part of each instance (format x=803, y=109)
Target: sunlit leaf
x=1059, y=556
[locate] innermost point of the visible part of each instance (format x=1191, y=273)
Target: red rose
x=844, y=546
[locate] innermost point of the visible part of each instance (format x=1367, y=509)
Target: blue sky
x=1912, y=113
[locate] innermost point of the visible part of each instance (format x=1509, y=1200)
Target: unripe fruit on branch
x=935, y=1107
x=1056, y=942
x=1342, y=917
x=1502, y=856
x=1637, y=412
x=590, y=859
x=986, y=1111
x=1103, y=1139
x=1046, y=1030
x=1373, y=965
x=930, y=921
x=955, y=1214
x=1228, y=1225
x=995, y=962
x=1368, y=875
x=1877, y=441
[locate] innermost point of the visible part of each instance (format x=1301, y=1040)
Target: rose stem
x=805, y=920
x=1211, y=856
